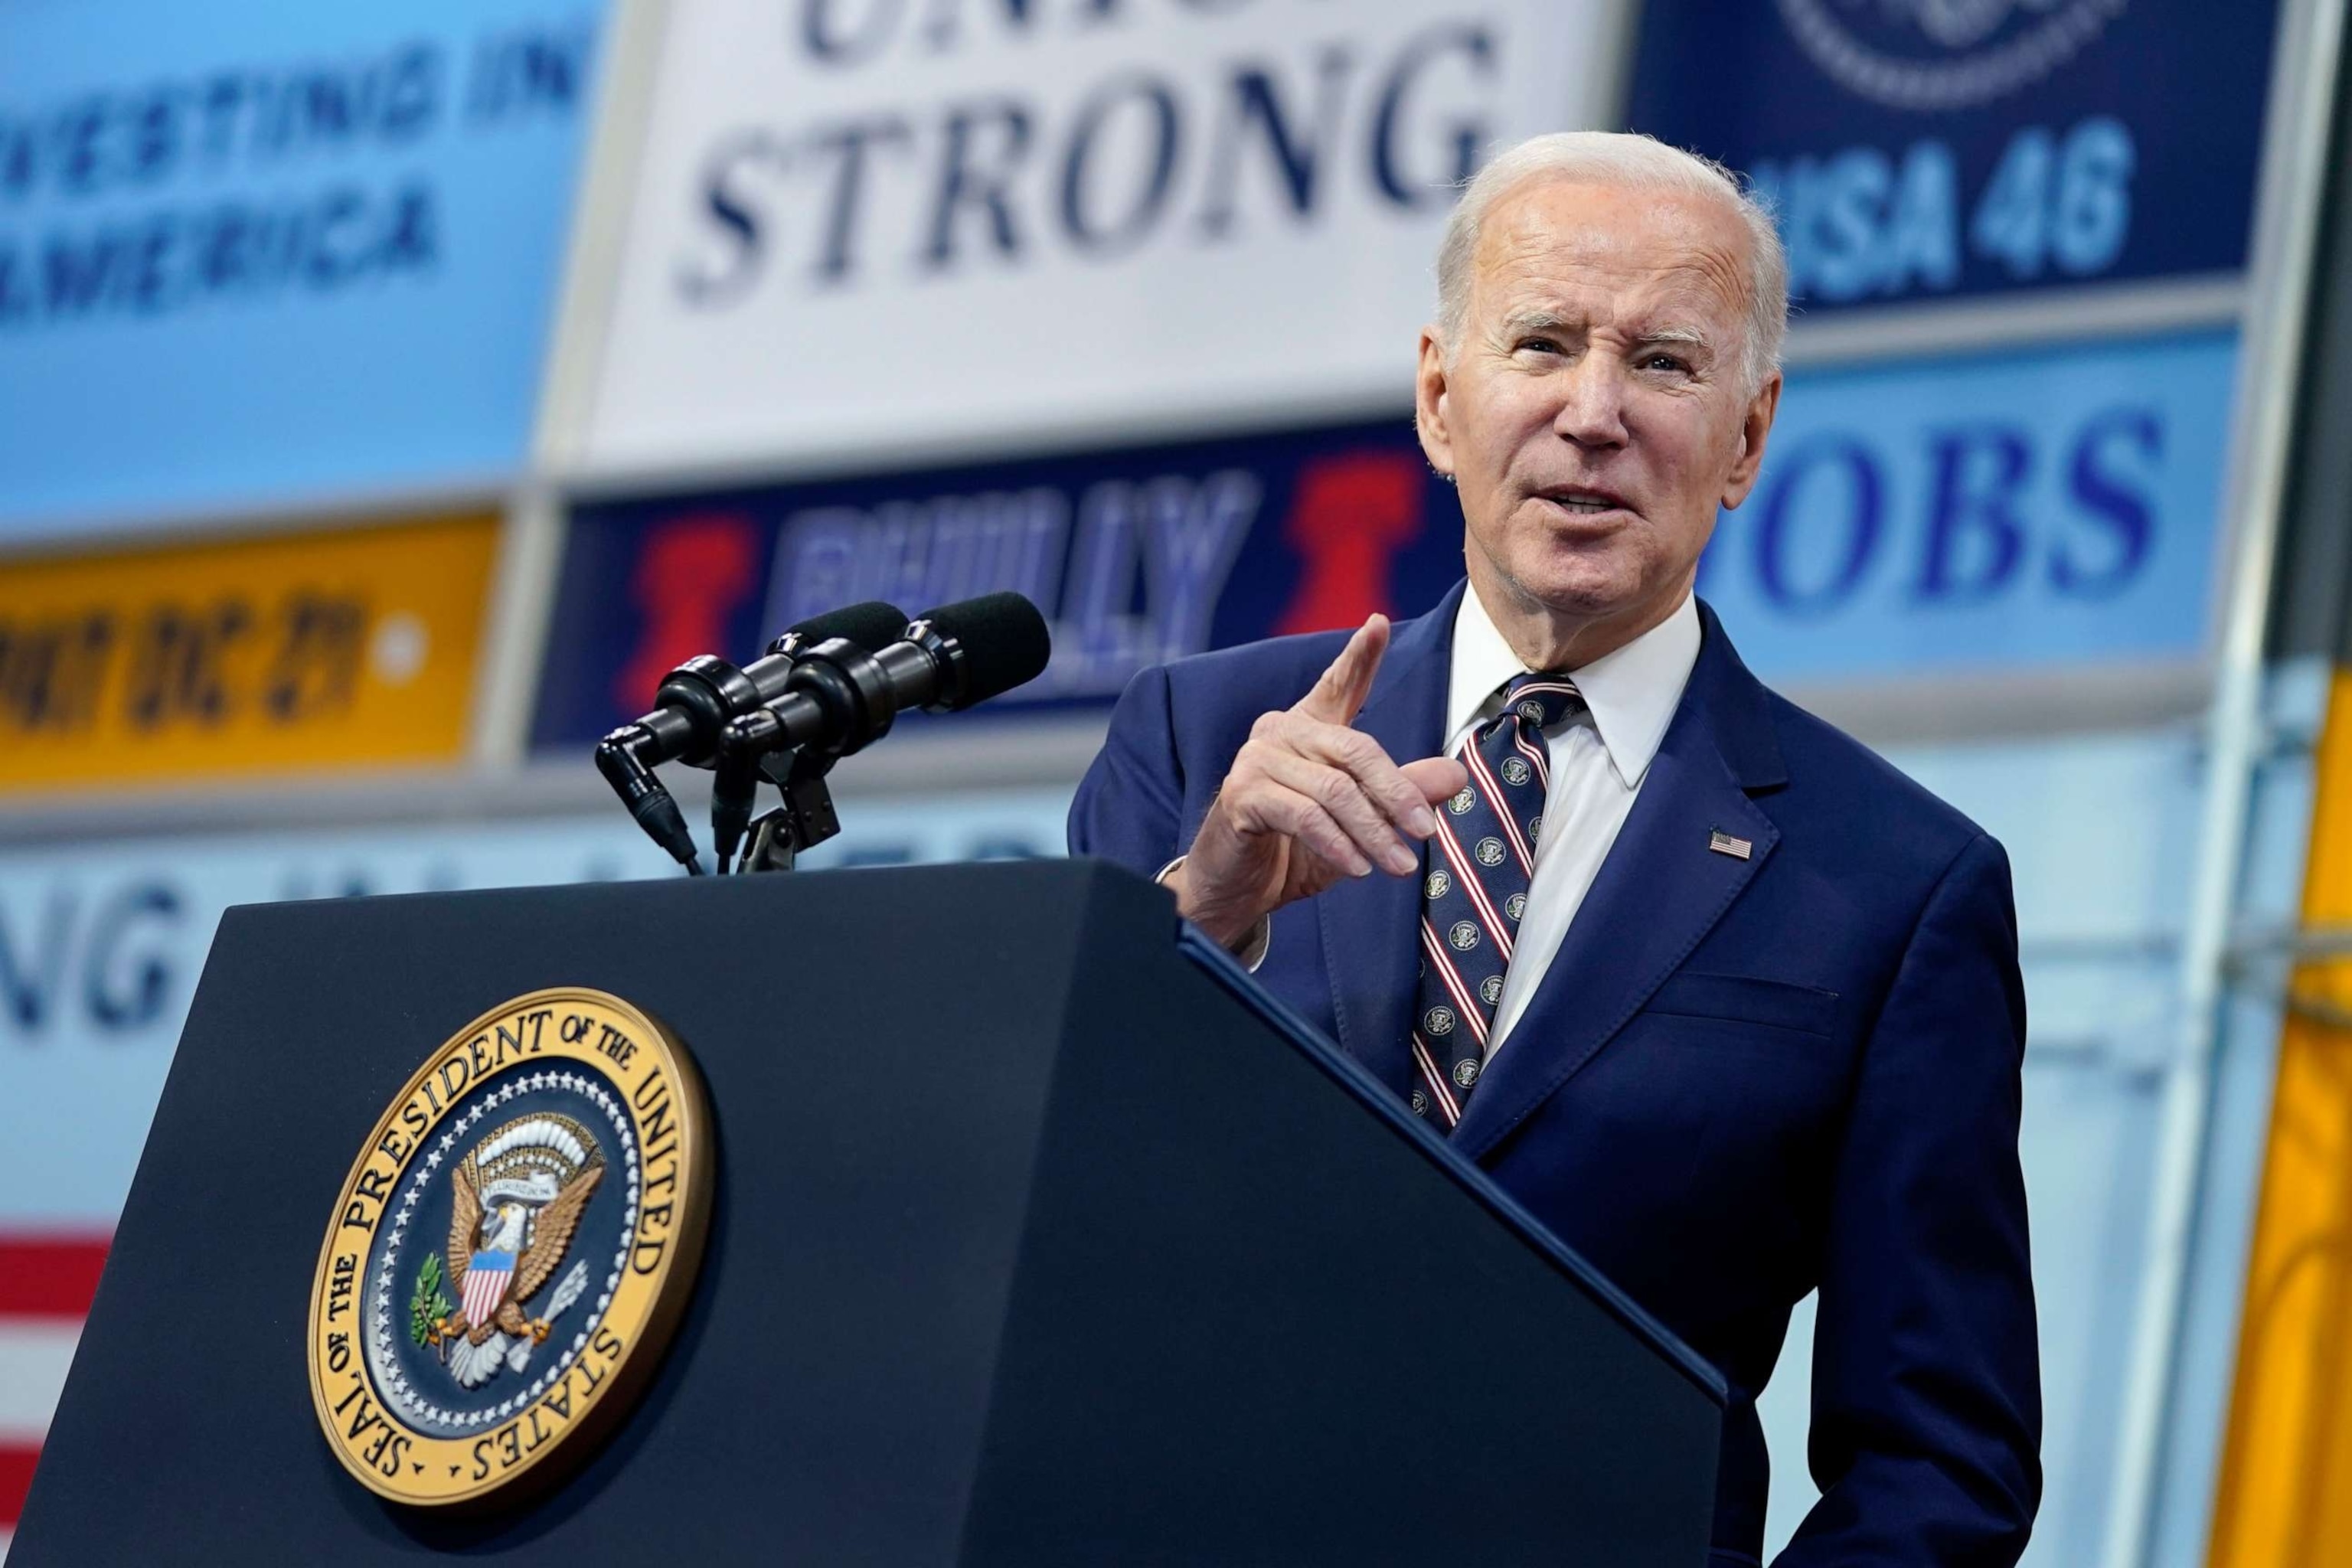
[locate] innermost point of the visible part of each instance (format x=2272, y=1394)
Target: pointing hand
x=1309, y=801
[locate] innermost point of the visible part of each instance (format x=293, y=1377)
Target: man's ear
x=1753, y=432
x=1429, y=403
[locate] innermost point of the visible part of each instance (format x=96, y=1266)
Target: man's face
x=1596, y=415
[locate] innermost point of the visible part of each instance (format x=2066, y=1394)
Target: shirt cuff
x=1252, y=952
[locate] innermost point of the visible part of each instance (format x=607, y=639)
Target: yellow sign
x=514, y=1246
x=265, y=655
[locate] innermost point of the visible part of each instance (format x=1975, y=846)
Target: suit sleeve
x=1128, y=807
x=1926, y=1418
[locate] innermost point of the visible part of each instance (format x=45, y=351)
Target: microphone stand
x=806, y=819
x=853, y=684
x=747, y=752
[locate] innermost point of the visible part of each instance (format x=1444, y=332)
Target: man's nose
x=1591, y=410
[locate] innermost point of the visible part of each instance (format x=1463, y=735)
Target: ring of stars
x=393, y=1384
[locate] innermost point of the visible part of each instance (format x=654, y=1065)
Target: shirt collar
x=1633, y=692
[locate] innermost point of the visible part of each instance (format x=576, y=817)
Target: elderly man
x=1728, y=1002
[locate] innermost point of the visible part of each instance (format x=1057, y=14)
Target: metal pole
x=2284, y=244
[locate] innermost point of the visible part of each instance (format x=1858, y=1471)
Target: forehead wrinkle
x=1672, y=255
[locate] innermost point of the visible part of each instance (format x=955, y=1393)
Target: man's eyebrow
x=1681, y=337
x=1537, y=320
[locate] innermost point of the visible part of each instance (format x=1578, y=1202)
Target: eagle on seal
x=515, y=1202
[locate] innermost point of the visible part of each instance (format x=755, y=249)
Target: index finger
x=1341, y=690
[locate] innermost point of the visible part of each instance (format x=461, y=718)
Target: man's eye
x=1664, y=361
x=1544, y=345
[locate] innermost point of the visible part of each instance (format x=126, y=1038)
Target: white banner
x=879, y=226
x=101, y=946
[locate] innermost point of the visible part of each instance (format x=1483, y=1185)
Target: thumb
x=1437, y=778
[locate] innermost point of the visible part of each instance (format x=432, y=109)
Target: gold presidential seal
x=511, y=1250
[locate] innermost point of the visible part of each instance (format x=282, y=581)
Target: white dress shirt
x=1600, y=755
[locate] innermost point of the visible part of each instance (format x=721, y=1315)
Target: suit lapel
x=1370, y=951
x=1658, y=894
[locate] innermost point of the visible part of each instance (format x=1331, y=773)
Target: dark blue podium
x=1039, y=1238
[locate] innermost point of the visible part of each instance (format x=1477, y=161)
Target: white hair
x=1627, y=161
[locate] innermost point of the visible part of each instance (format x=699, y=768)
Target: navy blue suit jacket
x=1740, y=1080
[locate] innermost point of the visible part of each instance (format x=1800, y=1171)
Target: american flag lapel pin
x=1723, y=843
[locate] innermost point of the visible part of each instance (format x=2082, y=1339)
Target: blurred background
x=390, y=393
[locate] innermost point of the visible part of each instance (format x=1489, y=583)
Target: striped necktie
x=1474, y=889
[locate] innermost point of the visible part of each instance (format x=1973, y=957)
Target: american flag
x=47, y=1282
x=486, y=1282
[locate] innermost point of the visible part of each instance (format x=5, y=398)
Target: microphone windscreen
x=871, y=626
x=1004, y=642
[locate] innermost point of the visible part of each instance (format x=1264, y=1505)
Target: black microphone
x=840, y=698
x=696, y=700
x=735, y=783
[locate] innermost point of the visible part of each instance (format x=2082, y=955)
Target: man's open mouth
x=1586, y=501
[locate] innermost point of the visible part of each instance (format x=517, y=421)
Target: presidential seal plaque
x=511, y=1250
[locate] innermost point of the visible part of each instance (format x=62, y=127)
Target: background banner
x=878, y=225
x=262, y=656
x=101, y=945
x=1924, y=150
x=2014, y=514
x=268, y=251
x=2008, y=513
x=1136, y=556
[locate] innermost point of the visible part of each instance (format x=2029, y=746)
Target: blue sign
x=2003, y=513
x=1920, y=150
x=262, y=252
x=1137, y=557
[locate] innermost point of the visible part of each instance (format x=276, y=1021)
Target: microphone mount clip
x=803, y=821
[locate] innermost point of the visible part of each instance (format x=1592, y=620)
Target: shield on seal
x=486, y=1286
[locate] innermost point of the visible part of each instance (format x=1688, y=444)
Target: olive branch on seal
x=428, y=1305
